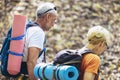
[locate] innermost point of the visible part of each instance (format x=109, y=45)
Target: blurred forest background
x=74, y=19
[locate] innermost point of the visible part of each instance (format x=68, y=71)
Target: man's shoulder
x=35, y=29
x=35, y=33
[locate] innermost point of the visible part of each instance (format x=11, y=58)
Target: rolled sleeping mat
x=16, y=44
x=67, y=72
x=37, y=69
x=49, y=71
x=44, y=71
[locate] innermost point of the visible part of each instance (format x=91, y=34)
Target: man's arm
x=89, y=76
x=33, y=53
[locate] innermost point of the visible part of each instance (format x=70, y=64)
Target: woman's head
x=98, y=34
x=99, y=38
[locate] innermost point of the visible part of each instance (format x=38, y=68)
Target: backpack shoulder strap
x=83, y=51
x=86, y=51
x=43, y=51
x=30, y=24
x=97, y=75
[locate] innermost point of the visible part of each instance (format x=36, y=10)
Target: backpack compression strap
x=16, y=38
x=14, y=53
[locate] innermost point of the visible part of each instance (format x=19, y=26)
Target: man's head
x=99, y=37
x=46, y=15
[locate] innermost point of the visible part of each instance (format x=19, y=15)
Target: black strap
x=54, y=77
x=97, y=76
x=43, y=73
x=38, y=73
x=86, y=51
x=57, y=76
x=30, y=24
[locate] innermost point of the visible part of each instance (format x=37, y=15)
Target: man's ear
x=48, y=16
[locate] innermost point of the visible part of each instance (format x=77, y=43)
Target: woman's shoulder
x=92, y=57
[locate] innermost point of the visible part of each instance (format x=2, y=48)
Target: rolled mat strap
x=57, y=74
x=17, y=38
x=39, y=74
x=14, y=53
x=43, y=73
x=54, y=73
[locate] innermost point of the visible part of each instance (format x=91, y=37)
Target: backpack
x=71, y=57
x=5, y=51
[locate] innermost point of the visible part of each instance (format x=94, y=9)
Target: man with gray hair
x=46, y=15
x=34, y=50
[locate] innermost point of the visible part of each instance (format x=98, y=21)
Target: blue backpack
x=5, y=51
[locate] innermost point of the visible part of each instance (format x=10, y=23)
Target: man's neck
x=39, y=23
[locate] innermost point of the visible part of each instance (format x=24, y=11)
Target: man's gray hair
x=46, y=8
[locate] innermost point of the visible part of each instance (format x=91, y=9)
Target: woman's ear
x=101, y=44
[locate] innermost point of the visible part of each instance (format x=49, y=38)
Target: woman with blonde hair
x=99, y=40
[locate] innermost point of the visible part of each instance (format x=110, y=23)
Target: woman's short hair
x=97, y=34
